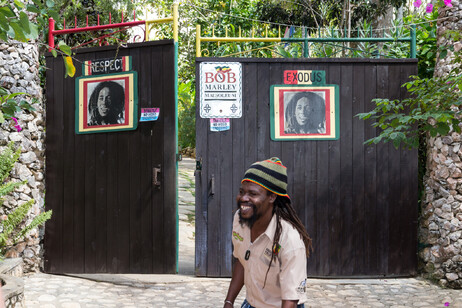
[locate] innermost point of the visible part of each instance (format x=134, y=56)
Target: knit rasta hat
x=270, y=174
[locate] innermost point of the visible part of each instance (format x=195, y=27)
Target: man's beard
x=248, y=221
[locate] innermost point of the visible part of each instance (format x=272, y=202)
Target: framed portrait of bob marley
x=304, y=112
x=106, y=103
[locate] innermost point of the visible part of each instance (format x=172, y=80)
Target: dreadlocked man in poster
x=107, y=104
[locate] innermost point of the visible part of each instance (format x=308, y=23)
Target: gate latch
x=156, y=176
x=198, y=166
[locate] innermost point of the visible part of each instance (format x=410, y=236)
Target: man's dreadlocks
x=282, y=208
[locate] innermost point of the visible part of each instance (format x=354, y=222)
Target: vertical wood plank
x=146, y=147
x=383, y=189
x=201, y=247
x=157, y=160
x=101, y=203
x=169, y=169
x=227, y=197
x=68, y=174
x=322, y=208
x=213, y=205
x=370, y=174
x=53, y=177
x=409, y=193
x=256, y=118
x=136, y=164
x=335, y=221
x=112, y=208
x=358, y=166
x=275, y=147
x=395, y=219
x=346, y=205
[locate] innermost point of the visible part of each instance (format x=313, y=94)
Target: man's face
x=104, y=101
x=303, y=110
x=253, y=201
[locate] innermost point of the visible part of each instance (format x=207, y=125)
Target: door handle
x=156, y=176
x=212, y=186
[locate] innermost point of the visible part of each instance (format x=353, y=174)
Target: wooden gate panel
x=107, y=217
x=350, y=196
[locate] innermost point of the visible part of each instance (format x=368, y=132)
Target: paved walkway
x=185, y=290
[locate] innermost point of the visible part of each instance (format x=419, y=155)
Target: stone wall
x=440, y=231
x=19, y=72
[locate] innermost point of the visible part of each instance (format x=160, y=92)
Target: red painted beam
x=96, y=28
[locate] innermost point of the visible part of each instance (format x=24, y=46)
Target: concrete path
x=185, y=290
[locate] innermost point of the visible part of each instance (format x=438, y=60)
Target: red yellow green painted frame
x=278, y=95
x=82, y=97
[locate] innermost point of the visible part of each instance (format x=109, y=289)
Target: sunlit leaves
x=70, y=68
x=64, y=48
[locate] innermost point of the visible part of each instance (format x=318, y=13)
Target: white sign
x=219, y=125
x=221, y=90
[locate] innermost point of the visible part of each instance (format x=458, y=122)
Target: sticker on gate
x=149, y=114
x=219, y=125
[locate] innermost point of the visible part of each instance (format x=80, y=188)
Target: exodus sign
x=304, y=77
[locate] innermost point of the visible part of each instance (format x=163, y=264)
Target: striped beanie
x=270, y=174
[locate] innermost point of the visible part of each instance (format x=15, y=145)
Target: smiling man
x=271, y=244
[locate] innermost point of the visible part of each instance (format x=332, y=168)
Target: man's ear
x=272, y=198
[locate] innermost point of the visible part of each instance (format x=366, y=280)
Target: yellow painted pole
x=175, y=22
x=146, y=38
x=198, y=41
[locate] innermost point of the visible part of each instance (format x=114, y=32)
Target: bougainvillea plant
x=429, y=7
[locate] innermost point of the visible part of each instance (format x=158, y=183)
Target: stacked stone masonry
x=19, y=72
x=441, y=215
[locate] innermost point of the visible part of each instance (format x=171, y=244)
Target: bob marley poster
x=106, y=103
x=304, y=112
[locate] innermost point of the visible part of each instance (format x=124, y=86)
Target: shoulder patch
x=237, y=236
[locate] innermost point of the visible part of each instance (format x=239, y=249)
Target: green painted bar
x=413, y=42
x=353, y=39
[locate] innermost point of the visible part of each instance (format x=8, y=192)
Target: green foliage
x=433, y=107
x=326, y=13
x=187, y=115
x=425, y=39
x=12, y=228
x=7, y=159
x=9, y=105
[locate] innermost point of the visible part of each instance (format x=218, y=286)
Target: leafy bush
x=425, y=40
x=433, y=106
x=11, y=225
x=186, y=115
x=8, y=104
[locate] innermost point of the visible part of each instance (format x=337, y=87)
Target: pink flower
x=17, y=126
x=4, y=217
x=448, y=3
x=418, y=3
x=429, y=8
x=446, y=304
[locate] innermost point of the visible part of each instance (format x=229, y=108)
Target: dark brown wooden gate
x=358, y=202
x=107, y=216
